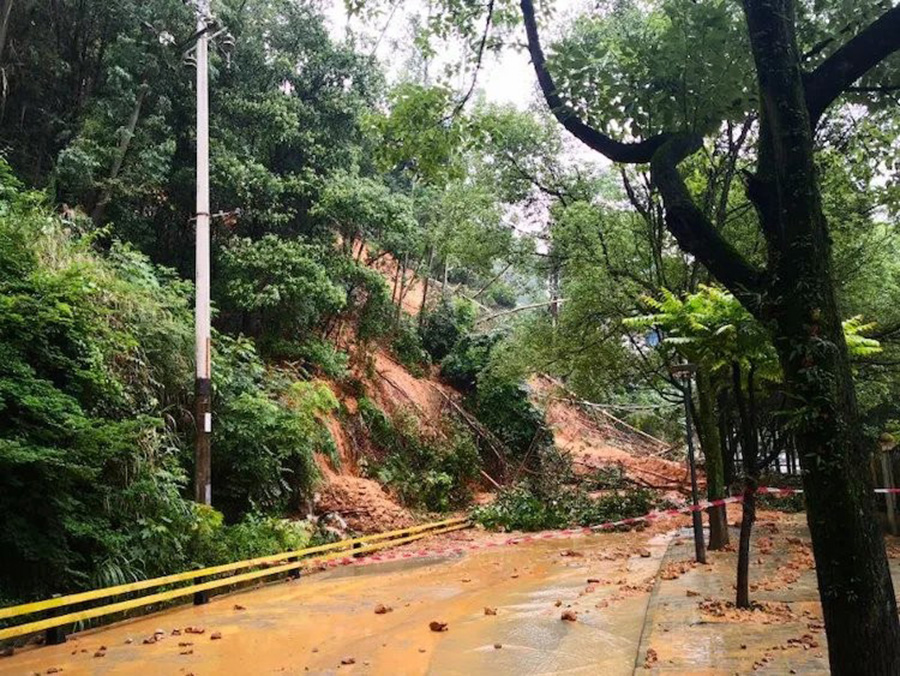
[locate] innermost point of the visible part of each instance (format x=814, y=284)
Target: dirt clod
x=497, y=646
x=348, y=660
x=238, y=606
x=490, y=611
x=215, y=636
x=434, y=625
x=382, y=609
x=569, y=616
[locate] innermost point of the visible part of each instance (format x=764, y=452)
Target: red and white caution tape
x=459, y=549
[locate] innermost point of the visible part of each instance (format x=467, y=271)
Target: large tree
x=793, y=292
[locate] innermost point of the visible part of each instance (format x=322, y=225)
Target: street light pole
x=202, y=382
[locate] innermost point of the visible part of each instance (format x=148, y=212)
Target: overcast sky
x=504, y=78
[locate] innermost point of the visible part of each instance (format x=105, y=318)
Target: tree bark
x=121, y=152
x=750, y=453
x=855, y=587
x=5, y=13
x=710, y=444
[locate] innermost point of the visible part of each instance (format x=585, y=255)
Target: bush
x=267, y=433
x=522, y=507
x=435, y=471
x=444, y=324
x=407, y=347
x=498, y=401
x=94, y=351
x=325, y=357
x=277, y=289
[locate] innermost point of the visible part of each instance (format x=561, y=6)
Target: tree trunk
x=750, y=451
x=855, y=585
x=5, y=13
x=121, y=151
x=747, y=520
x=708, y=432
x=425, y=285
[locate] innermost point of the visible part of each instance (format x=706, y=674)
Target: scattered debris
x=490, y=611
x=571, y=552
x=569, y=616
x=382, y=609
x=215, y=636
x=99, y=653
x=497, y=646
x=438, y=626
x=238, y=606
x=194, y=630
x=348, y=660
x=651, y=659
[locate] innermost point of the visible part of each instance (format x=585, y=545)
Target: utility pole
x=202, y=383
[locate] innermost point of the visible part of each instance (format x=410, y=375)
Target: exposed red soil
x=592, y=444
x=363, y=504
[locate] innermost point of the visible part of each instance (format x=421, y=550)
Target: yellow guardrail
x=339, y=550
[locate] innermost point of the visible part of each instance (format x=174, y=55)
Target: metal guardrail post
x=55, y=636
x=294, y=574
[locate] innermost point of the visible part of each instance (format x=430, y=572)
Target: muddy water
x=313, y=624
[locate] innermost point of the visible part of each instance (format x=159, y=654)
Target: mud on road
x=502, y=609
x=609, y=603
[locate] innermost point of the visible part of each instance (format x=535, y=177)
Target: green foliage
x=267, y=434
x=364, y=209
x=522, y=507
x=325, y=357
x=407, y=346
x=277, y=288
x=661, y=65
x=498, y=399
x=444, y=324
x=94, y=351
x=435, y=470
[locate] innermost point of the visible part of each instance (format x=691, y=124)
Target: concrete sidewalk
x=692, y=627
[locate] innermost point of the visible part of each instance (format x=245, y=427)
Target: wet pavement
x=640, y=606
x=314, y=624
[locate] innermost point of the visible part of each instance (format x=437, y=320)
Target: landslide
x=592, y=438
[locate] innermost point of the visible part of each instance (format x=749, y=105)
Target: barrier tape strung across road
x=270, y=565
x=568, y=532
x=564, y=533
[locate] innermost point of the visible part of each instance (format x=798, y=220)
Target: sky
x=506, y=77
